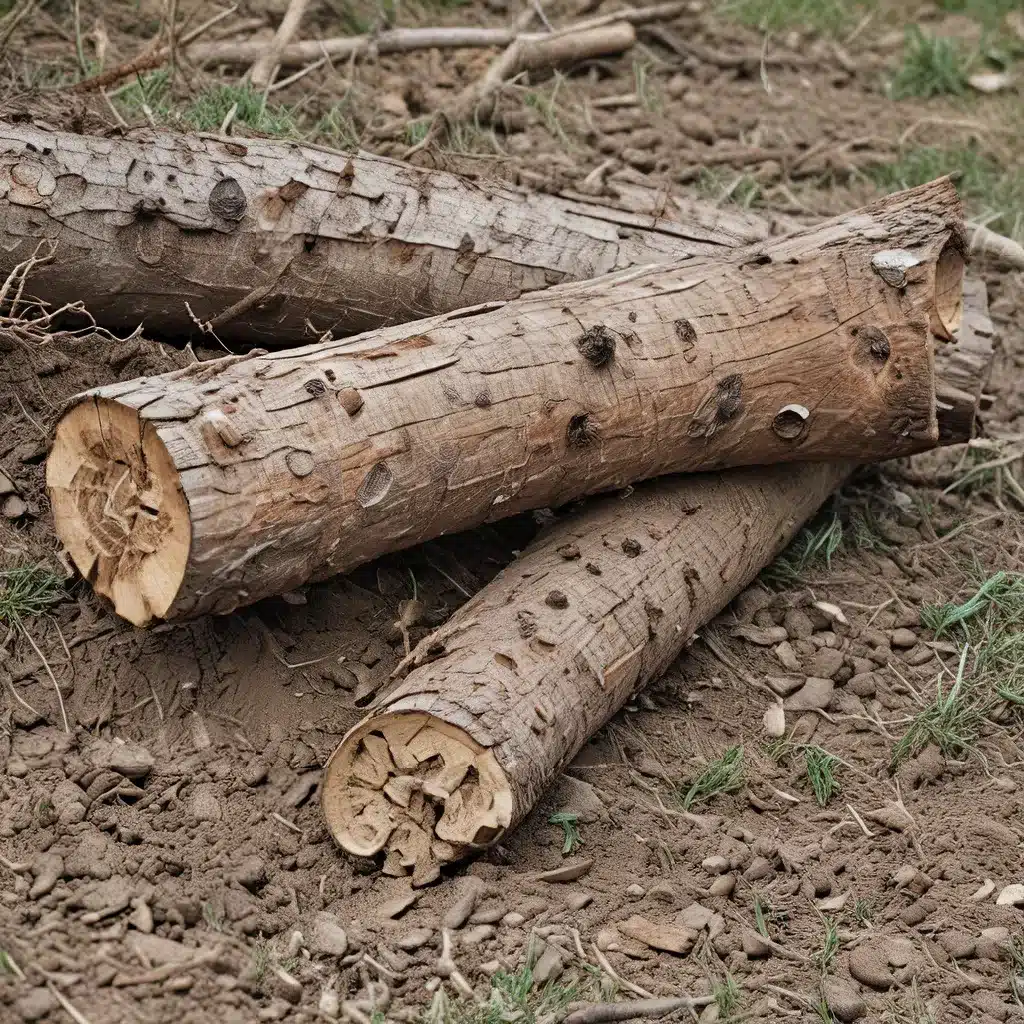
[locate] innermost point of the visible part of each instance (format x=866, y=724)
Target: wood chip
x=570, y=871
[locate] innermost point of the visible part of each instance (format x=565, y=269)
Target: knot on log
x=597, y=345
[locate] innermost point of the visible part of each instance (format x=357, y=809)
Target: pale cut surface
x=298, y=465
x=123, y=518
x=596, y=608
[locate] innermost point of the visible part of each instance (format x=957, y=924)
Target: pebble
x=890, y=815
x=775, y=721
x=253, y=772
x=548, y=967
x=787, y=656
x=636, y=892
x=131, y=760
x=983, y=891
x=477, y=934
x=826, y=663
x=992, y=943
x=470, y=890
x=35, y=1004
x=722, y=886
x=665, y=892
x=204, y=805
x=903, y=638
x=411, y=941
x=1005, y=784
x=607, y=938
x=287, y=986
x=959, y=945
x=513, y=919
x=141, y=917
x=815, y=694
x=570, y=871
x=919, y=656
x=328, y=938
x=580, y=798
x=1011, y=896
x=754, y=944
x=717, y=865
x=252, y=873
x=399, y=905
x=695, y=916
x=157, y=950
x=914, y=914
x=843, y=1000
x=863, y=684
x=785, y=685
x=329, y=1005
x=759, y=868
x=666, y=937
x=47, y=867
x=798, y=624
x=577, y=900
x=487, y=915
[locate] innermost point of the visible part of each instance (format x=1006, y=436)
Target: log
x=274, y=243
x=495, y=703
x=211, y=487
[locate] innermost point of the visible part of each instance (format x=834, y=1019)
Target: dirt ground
x=162, y=853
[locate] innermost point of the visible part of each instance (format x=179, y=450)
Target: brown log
x=260, y=237
x=212, y=487
x=500, y=699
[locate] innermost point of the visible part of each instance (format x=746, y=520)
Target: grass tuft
x=932, y=66
x=825, y=957
x=826, y=17
x=813, y=545
x=726, y=994
x=821, y=773
x=724, y=775
x=26, y=591
x=206, y=113
x=570, y=826
x=995, y=590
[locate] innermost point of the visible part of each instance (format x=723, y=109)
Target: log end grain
x=118, y=507
x=416, y=788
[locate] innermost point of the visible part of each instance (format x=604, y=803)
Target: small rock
x=577, y=900
x=787, y=657
x=35, y=1004
x=826, y=663
x=205, y=805
x=758, y=868
x=287, y=986
x=914, y=914
x=695, y=917
x=722, y=886
x=252, y=873
x=984, y=890
x=580, y=798
x=548, y=967
x=513, y=919
x=664, y=892
x=477, y=934
x=775, y=721
x=798, y=624
x=959, y=945
x=400, y=904
x=1011, y=896
x=411, y=941
x=470, y=890
x=487, y=915
x=667, y=937
x=763, y=636
x=993, y=944
x=903, y=638
x=141, y=917
x=862, y=685
x=47, y=868
x=253, y=772
x=636, y=892
x=815, y=694
x=754, y=944
x=843, y=1000
x=869, y=966
x=607, y=939
x=891, y=815
x=717, y=865
x=329, y=1005
x=157, y=950
x=131, y=760
x=785, y=685
x=1004, y=784
x=328, y=938
x=570, y=871
x=13, y=507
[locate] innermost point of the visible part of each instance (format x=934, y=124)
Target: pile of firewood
x=517, y=352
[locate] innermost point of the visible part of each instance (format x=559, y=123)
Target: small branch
x=12, y=19
x=599, y=1013
x=262, y=73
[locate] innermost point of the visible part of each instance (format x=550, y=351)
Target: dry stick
x=405, y=39
x=600, y=1013
x=147, y=60
x=12, y=19
x=261, y=74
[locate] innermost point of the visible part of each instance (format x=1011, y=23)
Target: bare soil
x=178, y=817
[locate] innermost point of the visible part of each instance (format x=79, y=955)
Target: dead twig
x=617, y=978
x=264, y=70
x=599, y=1013
x=12, y=19
x=76, y=1015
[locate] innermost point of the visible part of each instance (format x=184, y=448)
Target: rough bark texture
x=301, y=464
x=499, y=700
x=260, y=237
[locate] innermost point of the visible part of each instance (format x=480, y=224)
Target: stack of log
x=517, y=352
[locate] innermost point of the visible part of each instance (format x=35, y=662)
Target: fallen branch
x=402, y=40
x=499, y=699
x=262, y=72
x=229, y=481
x=602, y=1013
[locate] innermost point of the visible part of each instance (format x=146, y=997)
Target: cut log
x=500, y=699
x=274, y=243
x=229, y=481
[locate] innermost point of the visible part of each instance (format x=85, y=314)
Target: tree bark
x=212, y=487
x=275, y=243
x=501, y=698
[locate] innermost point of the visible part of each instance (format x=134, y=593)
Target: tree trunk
x=211, y=487
x=274, y=243
x=500, y=699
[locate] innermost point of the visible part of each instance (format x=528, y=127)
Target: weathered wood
x=500, y=699
x=275, y=243
x=214, y=486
